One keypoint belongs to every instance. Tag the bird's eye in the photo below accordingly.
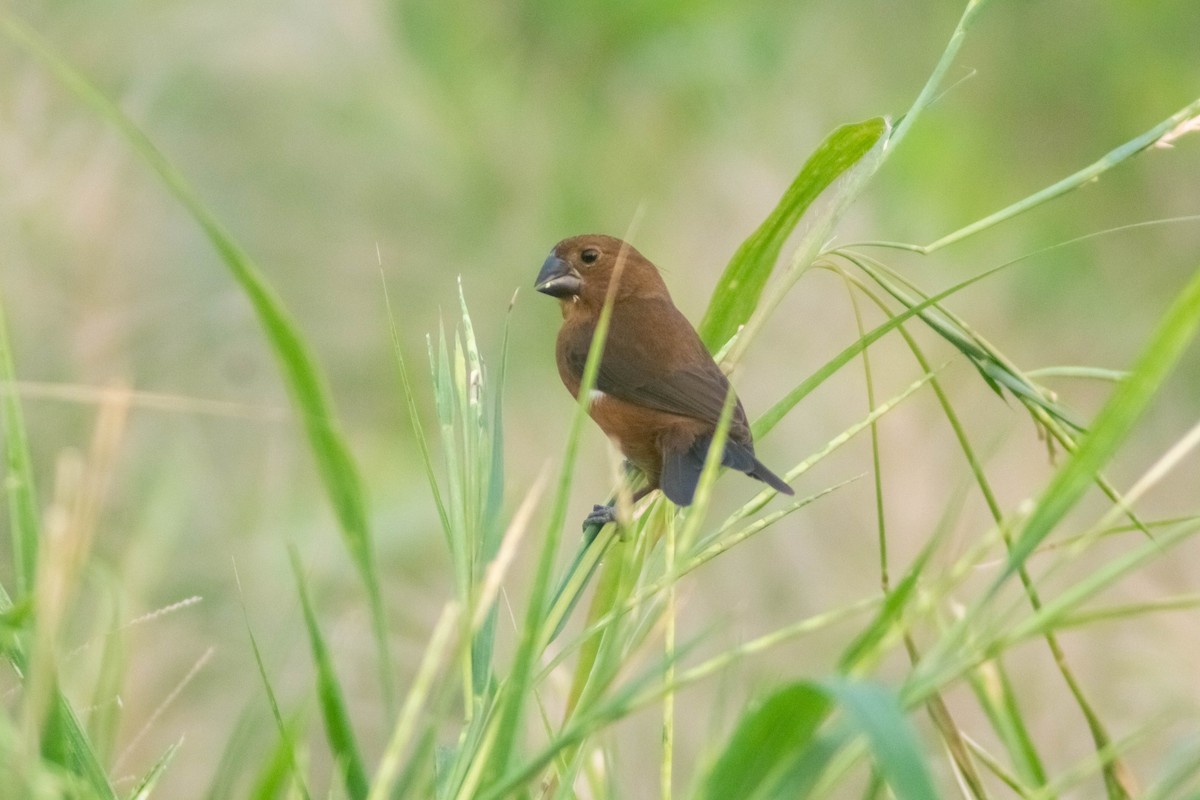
(590, 256)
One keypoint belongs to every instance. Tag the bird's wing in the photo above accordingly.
(645, 372)
(695, 391)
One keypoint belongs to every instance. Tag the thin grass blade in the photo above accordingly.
(277, 772)
(329, 695)
(65, 741)
(146, 786)
(287, 741)
(18, 482)
(414, 416)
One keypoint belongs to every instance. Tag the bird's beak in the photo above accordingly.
(558, 279)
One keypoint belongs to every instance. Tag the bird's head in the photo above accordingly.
(580, 270)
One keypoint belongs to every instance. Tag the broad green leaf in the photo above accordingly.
(767, 742)
(741, 285)
(778, 739)
(873, 710)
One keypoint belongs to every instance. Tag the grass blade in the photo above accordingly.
(767, 743)
(741, 285)
(329, 696)
(1074, 181)
(874, 711)
(146, 786)
(414, 416)
(64, 740)
(1112, 424)
(287, 742)
(336, 466)
(22, 501)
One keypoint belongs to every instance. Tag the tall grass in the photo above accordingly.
(484, 715)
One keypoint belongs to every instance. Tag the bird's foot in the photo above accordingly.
(600, 516)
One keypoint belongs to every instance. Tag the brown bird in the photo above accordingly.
(658, 394)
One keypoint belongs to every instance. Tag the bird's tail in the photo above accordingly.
(765, 475)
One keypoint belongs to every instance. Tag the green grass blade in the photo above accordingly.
(64, 741)
(18, 481)
(537, 630)
(1112, 424)
(874, 711)
(741, 285)
(437, 653)
(287, 741)
(146, 786)
(329, 695)
(337, 468)
(994, 371)
(864, 649)
(998, 700)
(767, 742)
(492, 528)
(278, 770)
(1074, 181)
(1049, 616)
(414, 416)
(764, 424)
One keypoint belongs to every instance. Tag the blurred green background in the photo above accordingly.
(429, 140)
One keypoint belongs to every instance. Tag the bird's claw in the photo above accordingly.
(600, 516)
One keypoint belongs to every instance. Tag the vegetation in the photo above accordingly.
(553, 651)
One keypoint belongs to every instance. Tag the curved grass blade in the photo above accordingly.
(741, 285)
(767, 743)
(777, 741)
(414, 416)
(304, 380)
(992, 369)
(874, 711)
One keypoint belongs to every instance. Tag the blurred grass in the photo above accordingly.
(321, 134)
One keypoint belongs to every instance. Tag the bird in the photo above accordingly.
(658, 393)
